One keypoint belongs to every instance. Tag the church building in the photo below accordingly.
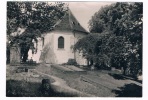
(55, 47)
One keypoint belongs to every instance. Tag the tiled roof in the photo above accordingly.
(69, 22)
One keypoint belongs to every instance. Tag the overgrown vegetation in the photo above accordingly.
(116, 38)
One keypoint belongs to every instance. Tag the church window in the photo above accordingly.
(73, 23)
(60, 42)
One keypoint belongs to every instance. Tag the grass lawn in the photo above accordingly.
(22, 88)
(107, 85)
(19, 84)
(97, 83)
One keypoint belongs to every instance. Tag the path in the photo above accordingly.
(67, 67)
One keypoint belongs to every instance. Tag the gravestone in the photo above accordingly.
(14, 54)
(46, 87)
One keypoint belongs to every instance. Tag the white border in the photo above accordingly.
(3, 55)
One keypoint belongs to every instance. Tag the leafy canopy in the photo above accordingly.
(35, 18)
(122, 46)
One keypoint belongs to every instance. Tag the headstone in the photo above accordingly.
(46, 86)
(122, 70)
(113, 68)
(15, 54)
(92, 68)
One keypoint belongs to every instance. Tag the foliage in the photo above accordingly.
(33, 15)
(99, 48)
(71, 62)
(123, 45)
(35, 18)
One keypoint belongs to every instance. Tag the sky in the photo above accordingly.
(83, 11)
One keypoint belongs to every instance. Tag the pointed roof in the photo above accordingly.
(69, 22)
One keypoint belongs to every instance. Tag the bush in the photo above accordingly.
(71, 62)
(102, 67)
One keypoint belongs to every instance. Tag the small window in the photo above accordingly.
(60, 42)
(73, 23)
(79, 24)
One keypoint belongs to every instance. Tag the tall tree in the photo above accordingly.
(35, 17)
(124, 23)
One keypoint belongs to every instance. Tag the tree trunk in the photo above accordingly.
(124, 70)
(24, 53)
(25, 56)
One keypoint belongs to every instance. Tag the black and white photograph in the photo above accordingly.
(74, 49)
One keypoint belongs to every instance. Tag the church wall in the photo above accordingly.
(52, 54)
(48, 54)
(39, 46)
(79, 57)
(48, 38)
(64, 54)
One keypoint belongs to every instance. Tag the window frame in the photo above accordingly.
(61, 42)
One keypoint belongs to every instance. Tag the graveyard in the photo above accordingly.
(49, 52)
(24, 81)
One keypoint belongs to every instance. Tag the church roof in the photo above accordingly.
(69, 22)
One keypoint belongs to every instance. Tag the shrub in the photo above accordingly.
(71, 62)
(102, 67)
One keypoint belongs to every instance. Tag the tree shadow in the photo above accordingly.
(129, 90)
(117, 76)
(15, 88)
(122, 77)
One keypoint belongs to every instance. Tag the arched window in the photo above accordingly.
(60, 42)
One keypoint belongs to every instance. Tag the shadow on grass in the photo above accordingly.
(16, 88)
(122, 77)
(117, 76)
(129, 90)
